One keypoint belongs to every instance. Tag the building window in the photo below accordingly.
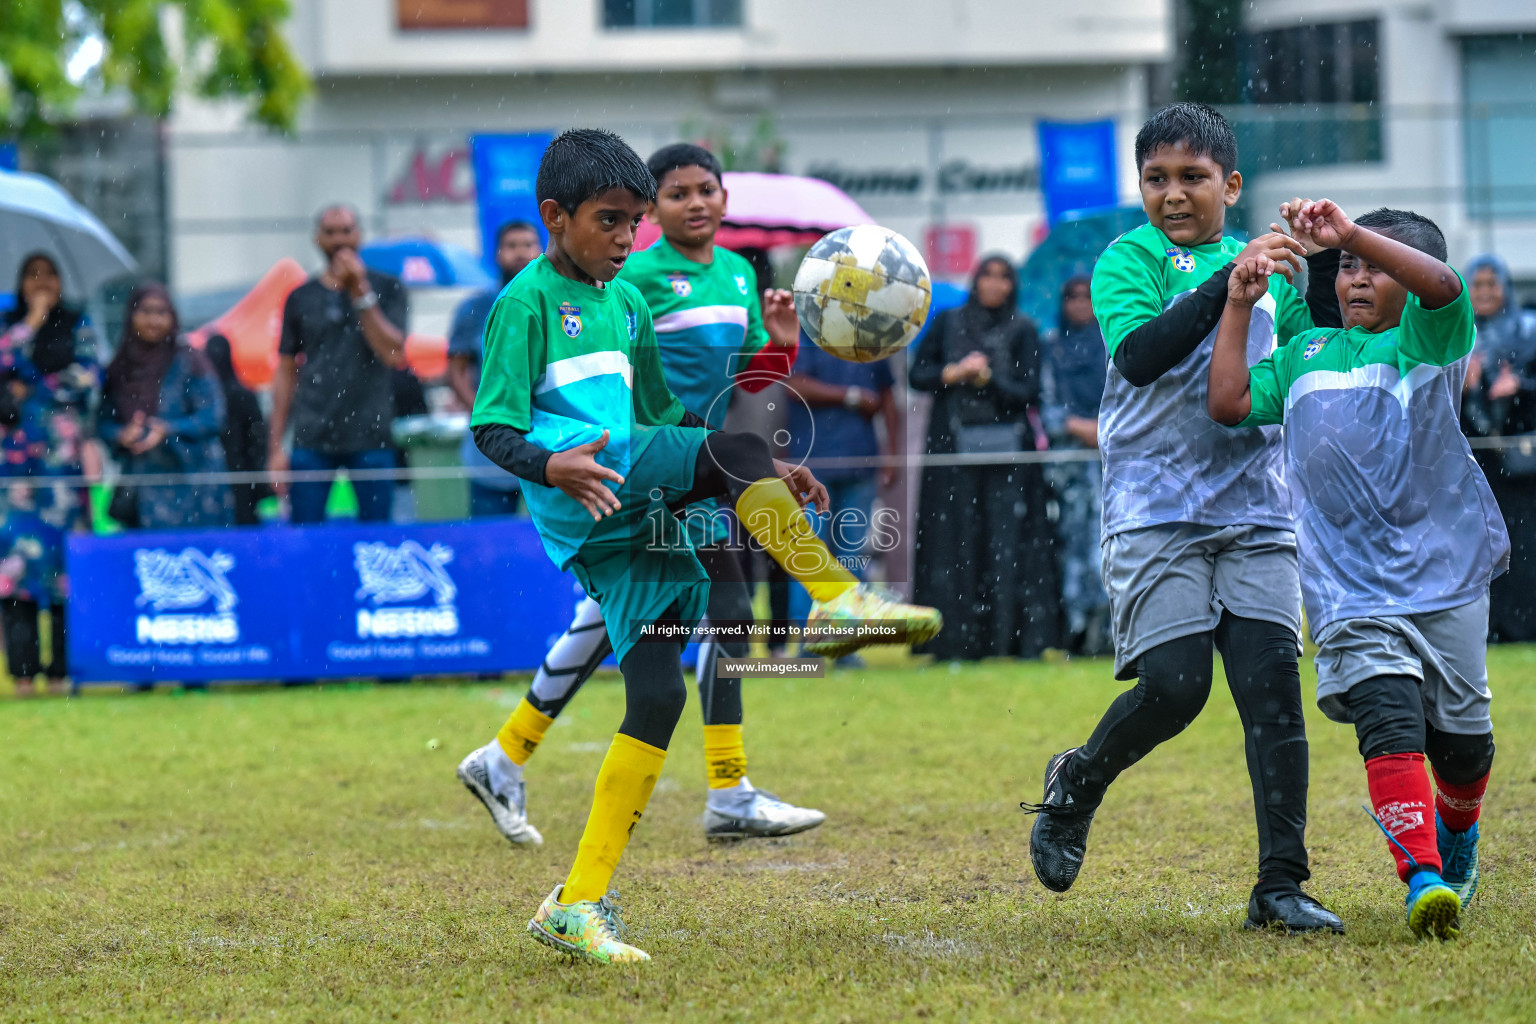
(671, 13)
(1499, 122)
(1312, 93)
(415, 15)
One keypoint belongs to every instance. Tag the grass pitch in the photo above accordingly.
(309, 856)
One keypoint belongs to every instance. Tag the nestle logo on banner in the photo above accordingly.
(388, 574)
(184, 581)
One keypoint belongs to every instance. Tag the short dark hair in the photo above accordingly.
(515, 225)
(1200, 127)
(682, 154)
(583, 163)
(1412, 229)
(347, 208)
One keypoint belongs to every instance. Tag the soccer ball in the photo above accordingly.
(862, 293)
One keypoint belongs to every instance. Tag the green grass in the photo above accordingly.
(308, 856)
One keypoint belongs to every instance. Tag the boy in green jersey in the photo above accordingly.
(1198, 544)
(714, 336)
(1398, 532)
(573, 400)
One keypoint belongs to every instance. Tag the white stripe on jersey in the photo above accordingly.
(577, 368)
(1375, 375)
(701, 316)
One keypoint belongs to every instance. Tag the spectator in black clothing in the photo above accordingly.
(347, 324)
(985, 545)
(245, 432)
(1500, 401)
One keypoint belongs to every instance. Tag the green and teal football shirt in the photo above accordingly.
(708, 321)
(1165, 459)
(565, 361)
(1394, 515)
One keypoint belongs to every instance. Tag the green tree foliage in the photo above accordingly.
(234, 48)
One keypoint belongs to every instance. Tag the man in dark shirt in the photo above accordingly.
(348, 325)
(492, 491)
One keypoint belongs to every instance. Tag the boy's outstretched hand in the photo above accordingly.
(577, 473)
(1326, 224)
(1281, 249)
(1249, 280)
(804, 486)
(1290, 212)
(779, 317)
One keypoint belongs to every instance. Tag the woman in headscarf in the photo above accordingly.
(1500, 401)
(985, 553)
(48, 375)
(1071, 387)
(245, 432)
(162, 412)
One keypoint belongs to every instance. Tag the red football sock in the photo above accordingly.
(1460, 805)
(1401, 798)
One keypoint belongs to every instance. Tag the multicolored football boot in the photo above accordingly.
(833, 626)
(590, 930)
(1433, 907)
(1458, 857)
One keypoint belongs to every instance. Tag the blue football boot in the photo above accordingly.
(1458, 857)
(1433, 907)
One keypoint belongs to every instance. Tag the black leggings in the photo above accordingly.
(1388, 712)
(1174, 680)
(654, 692)
(727, 465)
(729, 601)
(23, 649)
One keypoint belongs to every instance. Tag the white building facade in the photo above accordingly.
(925, 112)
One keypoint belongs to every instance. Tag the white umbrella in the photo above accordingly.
(37, 215)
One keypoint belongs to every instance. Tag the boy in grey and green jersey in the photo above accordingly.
(1399, 534)
(1198, 545)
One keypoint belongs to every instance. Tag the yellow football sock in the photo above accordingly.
(524, 730)
(624, 785)
(775, 520)
(725, 756)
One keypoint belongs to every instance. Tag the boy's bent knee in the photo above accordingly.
(1388, 712)
(1459, 759)
(1175, 677)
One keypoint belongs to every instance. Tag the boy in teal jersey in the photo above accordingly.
(713, 337)
(1399, 534)
(573, 401)
(1198, 542)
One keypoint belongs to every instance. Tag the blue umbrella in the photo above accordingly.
(36, 215)
(424, 263)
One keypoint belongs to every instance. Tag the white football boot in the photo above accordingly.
(745, 812)
(498, 784)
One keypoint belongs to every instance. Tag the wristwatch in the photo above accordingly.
(853, 397)
(367, 301)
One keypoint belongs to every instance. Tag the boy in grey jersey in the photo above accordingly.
(1198, 549)
(1399, 532)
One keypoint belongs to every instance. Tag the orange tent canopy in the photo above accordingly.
(254, 326)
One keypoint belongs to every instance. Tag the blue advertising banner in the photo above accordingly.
(10, 157)
(506, 168)
(1077, 166)
(314, 602)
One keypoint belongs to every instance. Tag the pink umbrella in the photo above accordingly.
(769, 210)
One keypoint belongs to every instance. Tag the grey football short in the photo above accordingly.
(1176, 579)
(1446, 650)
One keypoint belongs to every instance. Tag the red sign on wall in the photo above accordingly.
(462, 14)
(951, 249)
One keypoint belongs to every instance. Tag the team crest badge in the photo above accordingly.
(681, 286)
(570, 319)
(1313, 348)
(1182, 261)
(741, 283)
